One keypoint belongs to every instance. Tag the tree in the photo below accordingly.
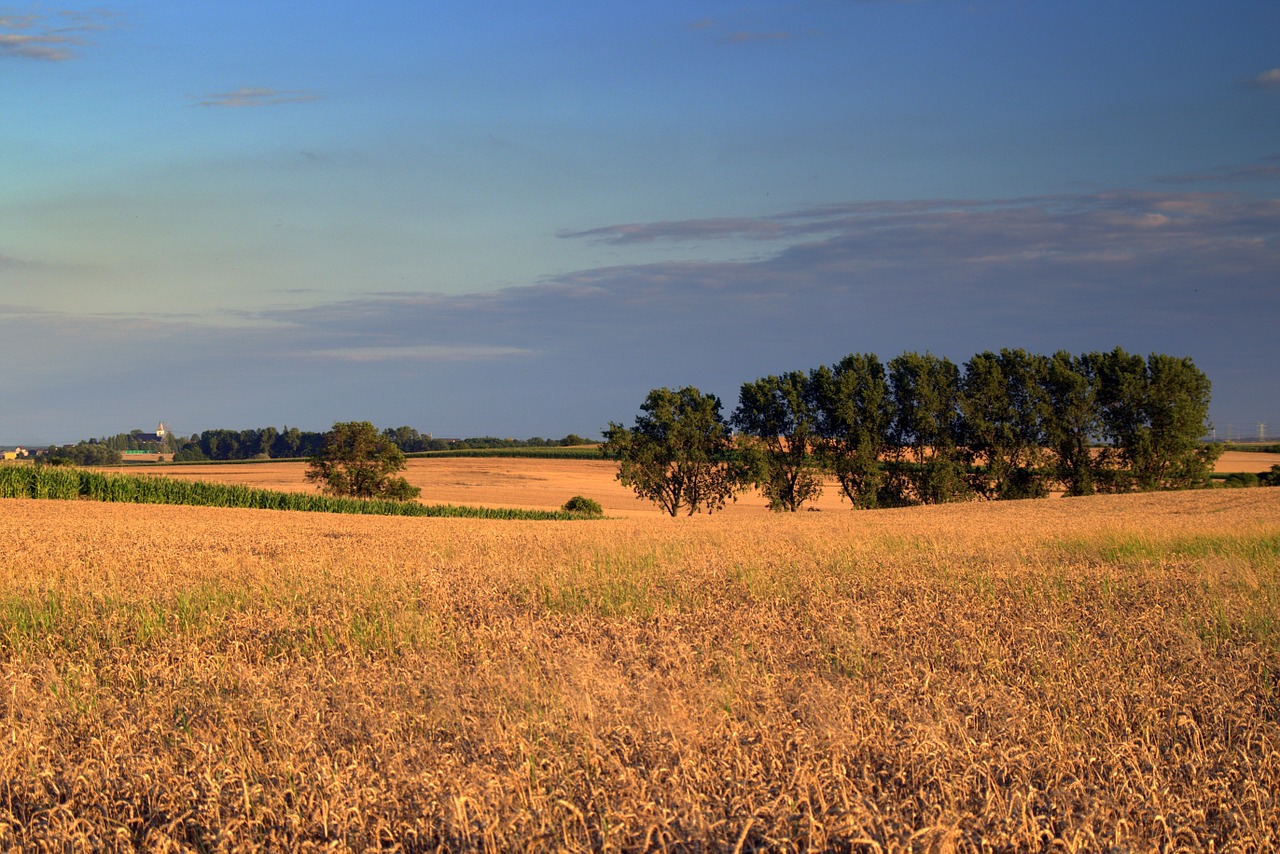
(1071, 421)
(356, 460)
(1002, 402)
(855, 414)
(1154, 414)
(926, 401)
(778, 414)
(407, 439)
(679, 454)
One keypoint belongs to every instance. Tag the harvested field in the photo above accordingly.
(1049, 675)
(542, 484)
(1246, 461)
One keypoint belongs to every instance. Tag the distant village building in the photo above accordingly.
(16, 454)
(160, 437)
(160, 454)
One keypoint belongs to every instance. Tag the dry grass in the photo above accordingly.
(1049, 675)
(543, 484)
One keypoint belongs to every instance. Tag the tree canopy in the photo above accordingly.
(680, 452)
(778, 415)
(924, 430)
(358, 461)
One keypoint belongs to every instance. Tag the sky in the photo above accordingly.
(515, 219)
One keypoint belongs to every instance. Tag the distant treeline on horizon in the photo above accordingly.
(270, 443)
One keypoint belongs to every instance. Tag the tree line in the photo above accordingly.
(922, 429)
(270, 443)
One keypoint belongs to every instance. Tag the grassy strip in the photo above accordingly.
(70, 484)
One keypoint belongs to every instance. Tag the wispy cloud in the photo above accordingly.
(418, 352)
(1176, 272)
(254, 97)
(52, 38)
(1267, 79)
(1269, 169)
(747, 36)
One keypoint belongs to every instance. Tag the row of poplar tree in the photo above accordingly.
(922, 429)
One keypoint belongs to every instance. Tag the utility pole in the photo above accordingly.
(1262, 432)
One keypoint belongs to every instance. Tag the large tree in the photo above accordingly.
(777, 414)
(680, 453)
(932, 464)
(1002, 402)
(1071, 422)
(356, 460)
(1153, 415)
(855, 413)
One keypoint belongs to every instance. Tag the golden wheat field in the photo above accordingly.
(1058, 675)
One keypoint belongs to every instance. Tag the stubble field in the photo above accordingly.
(1075, 674)
(542, 484)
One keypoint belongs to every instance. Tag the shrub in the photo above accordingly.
(584, 506)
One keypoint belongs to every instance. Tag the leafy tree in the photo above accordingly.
(358, 461)
(927, 429)
(1177, 415)
(679, 454)
(1002, 403)
(265, 440)
(408, 439)
(1071, 422)
(189, 453)
(1154, 414)
(84, 454)
(855, 414)
(778, 414)
(288, 443)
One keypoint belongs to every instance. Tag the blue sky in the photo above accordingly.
(516, 219)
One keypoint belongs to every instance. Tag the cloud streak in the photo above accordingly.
(1267, 170)
(49, 38)
(1266, 80)
(747, 37)
(254, 97)
(1178, 272)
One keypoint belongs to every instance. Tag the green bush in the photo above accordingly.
(583, 506)
(1241, 479)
